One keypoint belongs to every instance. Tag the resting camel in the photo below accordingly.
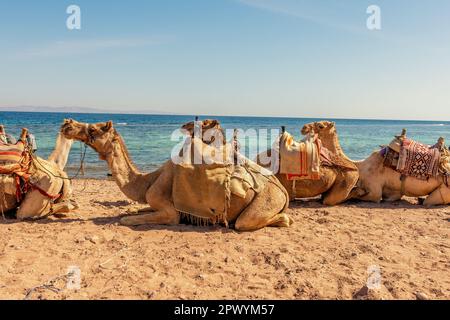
(336, 182)
(378, 182)
(51, 190)
(255, 211)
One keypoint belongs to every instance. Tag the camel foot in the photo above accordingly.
(284, 221)
(64, 207)
(74, 204)
(280, 220)
(357, 193)
(156, 217)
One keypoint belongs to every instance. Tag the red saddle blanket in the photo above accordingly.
(418, 160)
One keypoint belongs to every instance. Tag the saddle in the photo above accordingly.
(11, 153)
(302, 160)
(16, 161)
(203, 191)
(414, 159)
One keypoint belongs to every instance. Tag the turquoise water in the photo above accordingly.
(148, 137)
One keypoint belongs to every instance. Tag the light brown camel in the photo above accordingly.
(255, 211)
(335, 182)
(50, 181)
(378, 182)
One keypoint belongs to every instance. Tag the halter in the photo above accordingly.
(91, 137)
(91, 140)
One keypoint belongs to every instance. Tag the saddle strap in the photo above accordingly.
(44, 193)
(402, 184)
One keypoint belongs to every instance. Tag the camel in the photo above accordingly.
(255, 211)
(51, 190)
(336, 182)
(378, 182)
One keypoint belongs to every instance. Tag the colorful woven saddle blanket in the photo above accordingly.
(414, 159)
(11, 153)
(300, 160)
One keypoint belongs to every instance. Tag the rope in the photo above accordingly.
(80, 169)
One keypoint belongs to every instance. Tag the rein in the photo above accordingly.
(80, 169)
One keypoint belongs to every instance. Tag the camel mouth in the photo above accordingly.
(70, 132)
(305, 130)
(67, 131)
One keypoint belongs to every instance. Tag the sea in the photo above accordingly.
(151, 138)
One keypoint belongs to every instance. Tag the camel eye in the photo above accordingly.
(321, 126)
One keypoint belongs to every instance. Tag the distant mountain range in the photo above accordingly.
(77, 110)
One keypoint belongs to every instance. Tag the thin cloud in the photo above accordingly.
(84, 47)
(282, 8)
(330, 20)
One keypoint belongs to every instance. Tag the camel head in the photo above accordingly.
(98, 136)
(320, 127)
(210, 129)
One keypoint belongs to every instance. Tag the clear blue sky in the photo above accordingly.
(230, 57)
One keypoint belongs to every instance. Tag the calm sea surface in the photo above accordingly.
(148, 137)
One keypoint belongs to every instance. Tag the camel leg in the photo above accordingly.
(158, 217)
(264, 211)
(373, 196)
(159, 198)
(63, 207)
(340, 191)
(373, 192)
(357, 193)
(391, 195)
(439, 196)
(35, 205)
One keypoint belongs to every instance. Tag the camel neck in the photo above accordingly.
(130, 180)
(331, 142)
(61, 153)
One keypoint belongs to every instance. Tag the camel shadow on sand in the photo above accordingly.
(185, 226)
(399, 204)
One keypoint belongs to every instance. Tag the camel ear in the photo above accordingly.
(108, 126)
(68, 120)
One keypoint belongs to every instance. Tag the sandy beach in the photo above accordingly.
(324, 255)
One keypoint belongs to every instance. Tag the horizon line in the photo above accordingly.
(156, 113)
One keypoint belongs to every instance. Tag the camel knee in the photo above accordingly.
(27, 212)
(432, 200)
(439, 196)
(241, 225)
(330, 202)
